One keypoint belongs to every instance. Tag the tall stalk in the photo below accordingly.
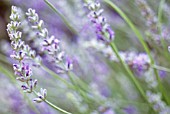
(62, 17)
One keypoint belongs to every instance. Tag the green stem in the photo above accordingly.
(132, 102)
(69, 85)
(7, 73)
(56, 76)
(53, 106)
(132, 77)
(141, 39)
(160, 13)
(80, 83)
(62, 17)
(3, 58)
(77, 87)
(57, 108)
(114, 48)
(161, 68)
(84, 90)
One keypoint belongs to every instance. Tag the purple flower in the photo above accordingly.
(103, 30)
(162, 73)
(22, 53)
(109, 111)
(140, 63)
(130, 110)
(50, 44)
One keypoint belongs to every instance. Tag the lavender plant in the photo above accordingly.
(124, 70)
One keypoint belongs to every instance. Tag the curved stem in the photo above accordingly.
(62, 17)
(52, 105)
(57, 108)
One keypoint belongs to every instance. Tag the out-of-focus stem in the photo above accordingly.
(62, 17)
(160, 13)
(84, 95)
(7, 73)
(161, 68)
(3, 58)
(57, 76)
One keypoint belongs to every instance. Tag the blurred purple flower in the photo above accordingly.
(109, 111)
(130, 110)
(162, 73)
(103, 30)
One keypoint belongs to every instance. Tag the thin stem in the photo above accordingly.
(57, 108)
(132, 102)
(7, 73)
(30, 103)
(78, 80)
(3, 58)
(161, 68)
(83, 89)
(69, 85)
(77, 87)
(53, 106)
(62, 17)
(84, 86)
(160, 12)
(141, 39)
(56, 76)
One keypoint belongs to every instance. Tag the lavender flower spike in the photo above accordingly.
(50, 44)
(103, 29)
(21, 53)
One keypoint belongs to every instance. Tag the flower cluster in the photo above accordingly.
(149, 15)
(151, 20)
(140, 63)
(22, 53)
(158, 104)
(103, 30)
(50, 44)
